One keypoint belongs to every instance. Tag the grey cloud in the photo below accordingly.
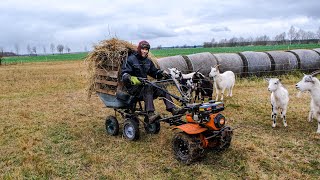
(220, 29)
(144, 32)
(172, 24)
(258, 10)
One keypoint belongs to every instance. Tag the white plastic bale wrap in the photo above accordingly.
(230, 62)
(317, 50)
(173, 61)
(309, 59)
(202, 61)
(283, 61)
(258, 63)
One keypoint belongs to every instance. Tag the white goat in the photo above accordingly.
(185, 80)
(222, 81)
(312, 84)
(279, 100)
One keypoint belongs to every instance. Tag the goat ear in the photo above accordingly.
(309, 79)
(267, 79)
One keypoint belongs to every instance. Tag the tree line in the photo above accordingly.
(293, 36)
(53, 49)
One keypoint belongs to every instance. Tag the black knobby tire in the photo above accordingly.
(186, 148)
(151, 128)
(131, 129)
(112, 126)
(225, 141)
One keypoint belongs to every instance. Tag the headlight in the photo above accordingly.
(219, 121)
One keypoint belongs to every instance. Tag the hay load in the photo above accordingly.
(256, 63)
(309, 60)
(202, 61)
(104, 65)
(283, 62)
(230, 62)
(174, 61)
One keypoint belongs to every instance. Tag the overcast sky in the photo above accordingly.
(82, 23)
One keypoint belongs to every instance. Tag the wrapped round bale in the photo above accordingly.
(230, 62)
(308, 60)
(282, 62)
(255, 63)
(202, 62)
(317, 50)
(174, 61)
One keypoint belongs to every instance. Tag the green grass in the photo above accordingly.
(44, 58)
(159, 53)
(50, 130)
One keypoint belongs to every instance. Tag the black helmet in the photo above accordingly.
(143, 44)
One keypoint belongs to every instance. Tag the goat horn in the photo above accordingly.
(198, 70)
(217, 65)
(315, 73)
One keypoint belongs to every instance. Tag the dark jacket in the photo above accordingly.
(136, 65)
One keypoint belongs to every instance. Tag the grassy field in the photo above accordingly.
(50, 130)
(44, 58)
(162, 52)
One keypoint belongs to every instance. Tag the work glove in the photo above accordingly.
(135, 81)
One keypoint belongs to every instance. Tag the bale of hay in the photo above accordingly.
(308, 60)
(202, 62)
(104, 65)
(173, 61)
(283, 61)
(229, 62)
(256, 63)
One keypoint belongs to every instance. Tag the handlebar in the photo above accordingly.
(146, 81)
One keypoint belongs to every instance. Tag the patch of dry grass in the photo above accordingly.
(48, 129)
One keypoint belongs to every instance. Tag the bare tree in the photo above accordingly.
(311, 35)
(292, 34)
(223, 42)
(241, 41)
(17, 48)
(233, 41)
(34, 50)
(159, 47)
(249, 40)
(1, 55)
(262, 40)
(67, 48)
(60, 48)
(318, 34)
(280, 37)
(44, 49)
(29, 49)
(52, 47)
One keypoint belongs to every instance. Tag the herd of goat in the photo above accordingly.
(202, 87)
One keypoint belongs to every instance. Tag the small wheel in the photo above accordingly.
(152, 128)
(131, 129)
(112, 126)
(185, 148)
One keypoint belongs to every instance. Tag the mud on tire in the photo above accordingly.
(225, 139)
(186, 148)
